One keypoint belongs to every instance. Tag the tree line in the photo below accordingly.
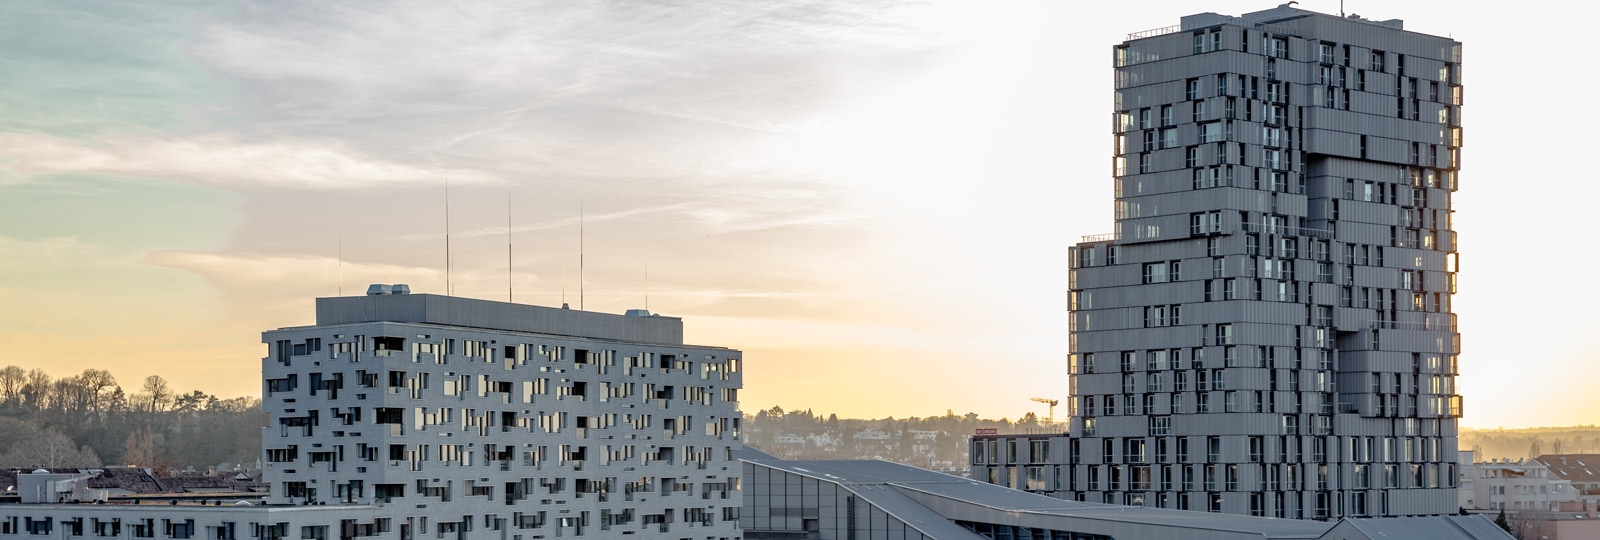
(1530, 442)
(936, 442)
(89, 420)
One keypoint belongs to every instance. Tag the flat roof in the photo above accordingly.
(495, 316)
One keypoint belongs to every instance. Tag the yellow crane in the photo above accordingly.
(1052, 403)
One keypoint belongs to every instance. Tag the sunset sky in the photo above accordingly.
(872, 199)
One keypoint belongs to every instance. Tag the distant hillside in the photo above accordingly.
(89, 420)
(1530, 442)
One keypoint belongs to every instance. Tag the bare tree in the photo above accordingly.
(12, 379)
(51, 449)
(157, 392)
(36, 392)
(99, 384)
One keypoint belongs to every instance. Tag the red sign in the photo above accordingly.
(986, 431)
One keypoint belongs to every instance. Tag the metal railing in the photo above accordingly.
(1287, 230)
(1155, 32)
(1107, 237)
(1426, 326)
(1269, 28)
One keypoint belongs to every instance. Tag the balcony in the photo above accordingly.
(1322, 234)
(1427, 326)
(1107, 237)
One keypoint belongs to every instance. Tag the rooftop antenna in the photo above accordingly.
(647, 287)
(449, 283)
(1341, 8)
(580, 256)
(341, 265)
(563, 288)
(508, 246)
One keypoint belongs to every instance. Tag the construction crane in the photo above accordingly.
(1052, 403)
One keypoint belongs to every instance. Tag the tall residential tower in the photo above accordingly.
(1268, 330)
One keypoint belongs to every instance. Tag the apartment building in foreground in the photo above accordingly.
(416, 416)
(1268, 331)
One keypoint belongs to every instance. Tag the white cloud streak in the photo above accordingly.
(221, 160)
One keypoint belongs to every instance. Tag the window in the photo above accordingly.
(1155, 316)
(1192, 89)
(1169, 138)
(1278, 47)
(1325, 53)
(1225, 331)
(1191, 156)
(1144, 163)
(1213, 449)
(1377, 60)
(1156, 361)
(1155, 273)
(1271, 136)
(1133, 450)
(1166, 115)
(1144, 119)
(1272, 159)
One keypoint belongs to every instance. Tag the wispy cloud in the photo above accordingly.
(221, 160)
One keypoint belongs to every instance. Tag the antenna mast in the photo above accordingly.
(647, 287)
(341, 265)
(580, 256)
(449, 284)
(508, 246)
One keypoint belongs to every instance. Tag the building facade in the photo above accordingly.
(1503, 484)
(417, 416)
(1582, 471)
(1268, 331)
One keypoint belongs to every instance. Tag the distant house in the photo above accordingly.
(1581, 470)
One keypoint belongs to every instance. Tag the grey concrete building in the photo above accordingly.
(1268, 330)
(411, 416)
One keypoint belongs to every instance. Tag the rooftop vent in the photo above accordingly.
(401, 288)
(639, 313)
(377, 289)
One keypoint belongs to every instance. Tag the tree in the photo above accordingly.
(1028, 421)
(36, 391)
(51, 449)
(140, 451)
(98, 383)
(158, 394)
(1501, 521)
(12, 379)
(192, 402)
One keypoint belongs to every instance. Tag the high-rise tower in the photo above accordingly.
(1268, 330)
